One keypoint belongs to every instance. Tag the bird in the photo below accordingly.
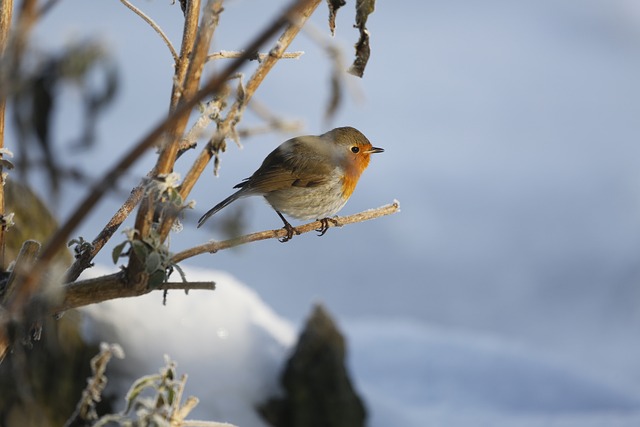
(307, 177)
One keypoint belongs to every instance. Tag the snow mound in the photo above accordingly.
(228, 341)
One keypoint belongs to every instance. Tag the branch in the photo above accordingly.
(6, 10)
(214, 246)
(83, 261)
(189, 33)
(301, 14)
(153, 25)
(225, 54)
(211, 86)
(113, 286)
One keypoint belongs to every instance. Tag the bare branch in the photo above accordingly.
(195, 64)
(153, 25)
(213, 246)
(189, 32)
(211, 86)
(92, 291)
(83, 261)
(300, 14)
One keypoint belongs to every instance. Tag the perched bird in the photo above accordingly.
(308, 177)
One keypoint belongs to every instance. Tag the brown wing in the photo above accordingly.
(299, 162)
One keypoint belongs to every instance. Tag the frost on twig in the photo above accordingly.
(154, 399)
(86, 409)
(226, 54)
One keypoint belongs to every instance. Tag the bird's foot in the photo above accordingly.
(325, 225)
(291, 230)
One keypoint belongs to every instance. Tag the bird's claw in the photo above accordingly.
(325, 225)
(291, 230)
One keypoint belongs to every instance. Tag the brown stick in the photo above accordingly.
(6, 11)
(113, 286)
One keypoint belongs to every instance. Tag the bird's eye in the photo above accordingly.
(355, 150)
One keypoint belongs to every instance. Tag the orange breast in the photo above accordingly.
(354, 169)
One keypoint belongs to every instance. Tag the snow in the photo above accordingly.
(228, 341)
(233, 347)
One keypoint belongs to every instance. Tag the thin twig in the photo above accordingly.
(225, 54)
(153, 25)
(213, 246)
(83, 261)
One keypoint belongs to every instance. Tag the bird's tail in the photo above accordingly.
(222, 204)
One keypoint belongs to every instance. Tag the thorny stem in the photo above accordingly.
(214, 246)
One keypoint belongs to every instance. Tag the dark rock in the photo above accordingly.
(318, 391)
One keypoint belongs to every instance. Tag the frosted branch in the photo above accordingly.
(225, 54)
(214, 246)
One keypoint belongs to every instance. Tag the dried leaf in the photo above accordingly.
(334, 5)
(364, 8)
(362, 55)
(183, 6)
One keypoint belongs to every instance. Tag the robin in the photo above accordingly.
(308, 177)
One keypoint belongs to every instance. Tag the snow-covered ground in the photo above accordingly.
(233, 347)
(506, 292)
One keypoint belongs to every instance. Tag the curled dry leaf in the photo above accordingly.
(334, 5)
(364, 8)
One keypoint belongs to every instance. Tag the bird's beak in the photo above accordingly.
(373, 150)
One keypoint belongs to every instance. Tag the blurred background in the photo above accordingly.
(510, 132)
